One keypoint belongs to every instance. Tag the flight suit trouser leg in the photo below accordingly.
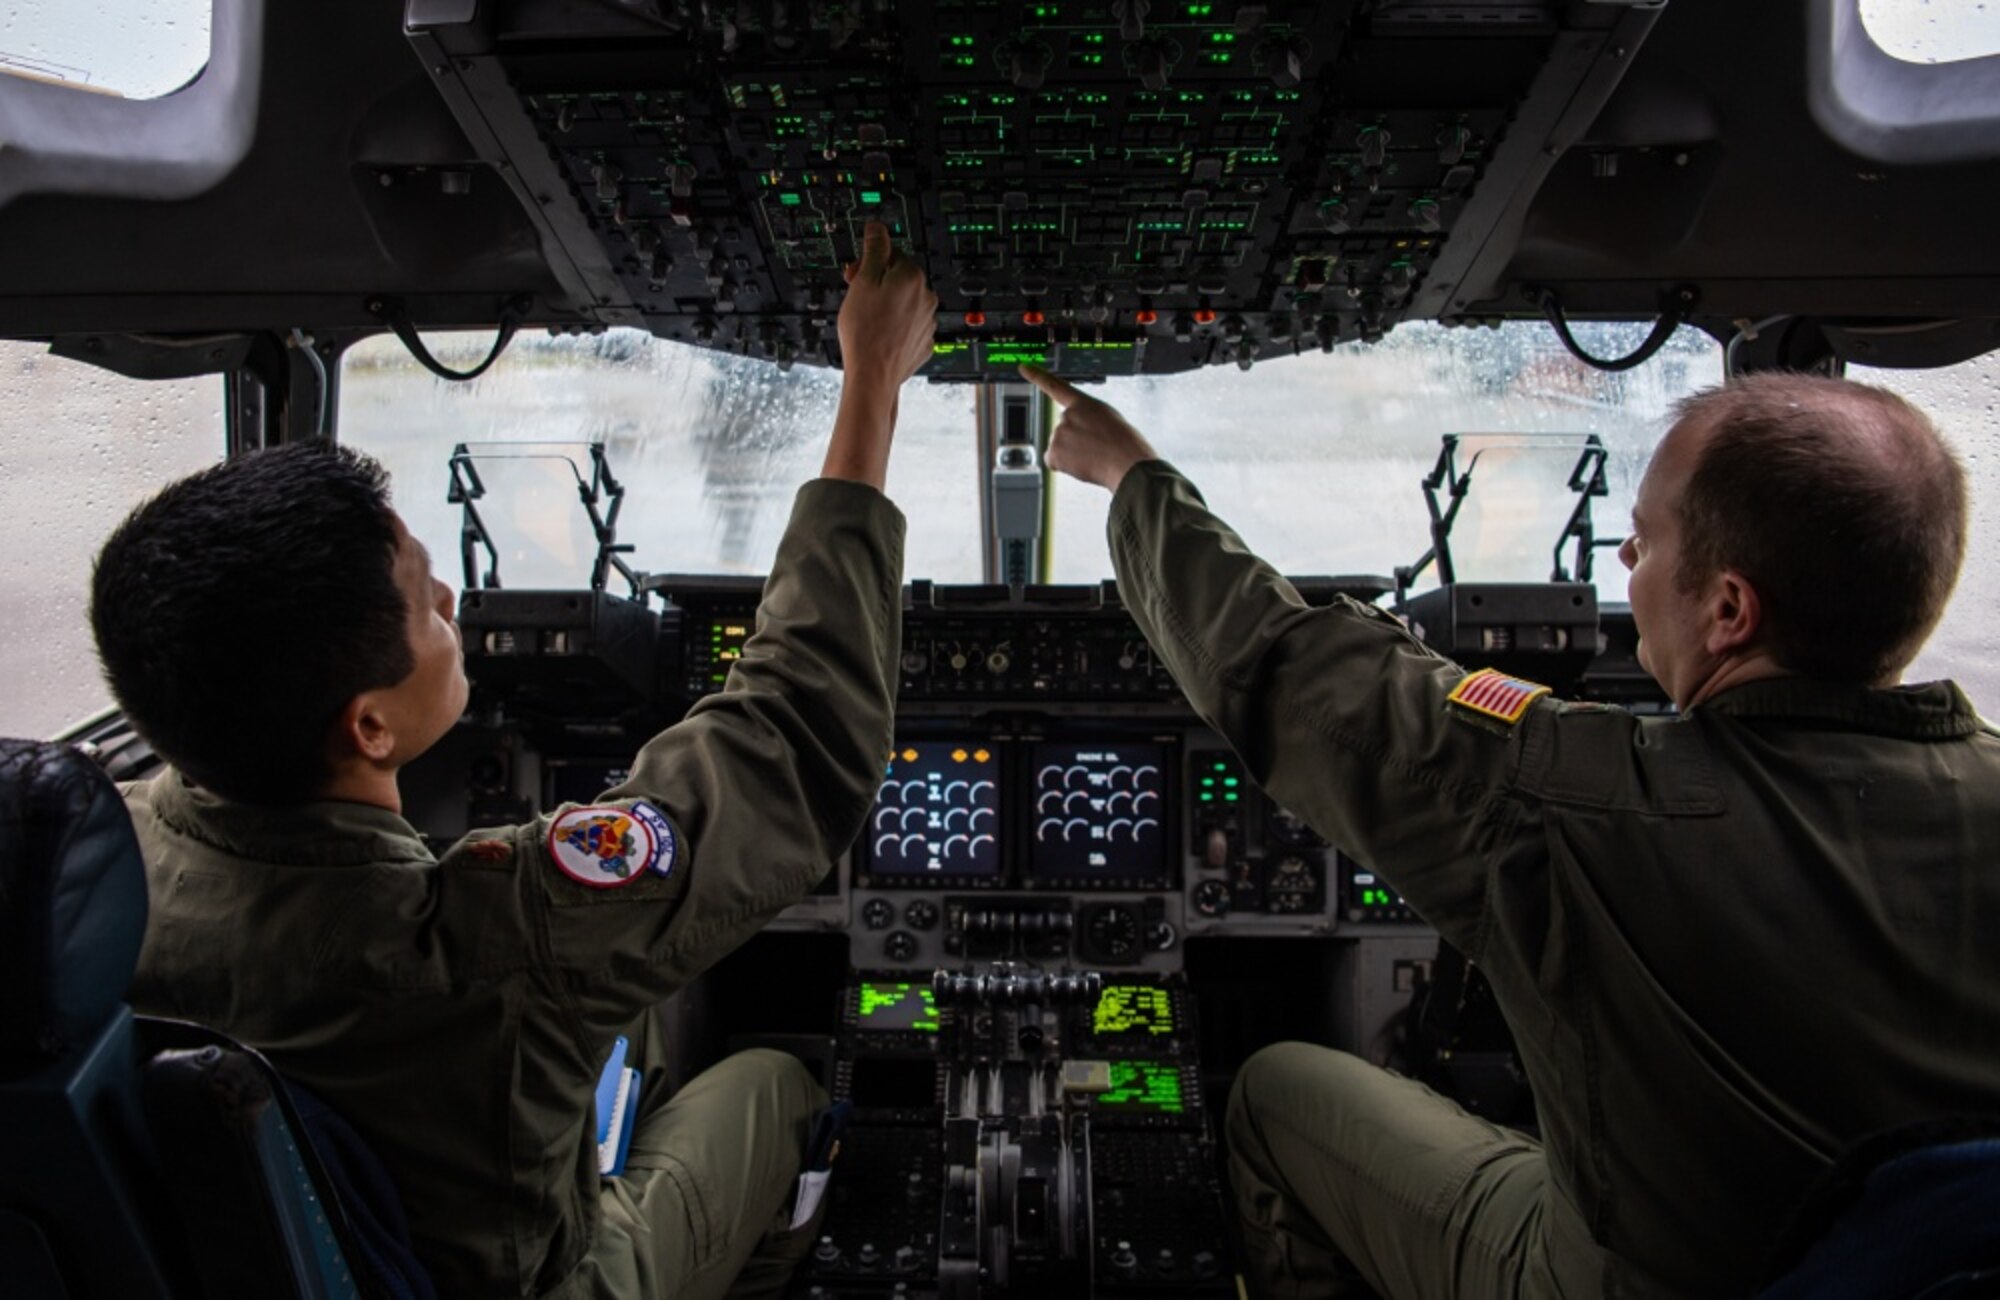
(703, 1207)
(1353, 1181)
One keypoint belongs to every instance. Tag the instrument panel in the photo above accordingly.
(1050, 797)
(1032, 843)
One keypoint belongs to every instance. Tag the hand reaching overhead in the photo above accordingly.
(1091, 441)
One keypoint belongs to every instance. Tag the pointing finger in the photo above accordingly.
(875, 250)
(1060, 391)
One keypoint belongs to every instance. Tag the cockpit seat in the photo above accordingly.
(142, 1157)
(1911, 1213)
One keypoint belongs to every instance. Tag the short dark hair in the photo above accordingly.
(239, 611)
(1841, 504)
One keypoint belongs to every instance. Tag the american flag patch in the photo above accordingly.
(1496, 695)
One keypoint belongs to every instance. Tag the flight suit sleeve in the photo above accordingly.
(737, 810)
(1338, 713)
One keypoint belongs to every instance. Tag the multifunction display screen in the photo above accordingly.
(1144, 1088)
(1098, 812)
(896, 1008)
(1133, 1011)
(938, 812)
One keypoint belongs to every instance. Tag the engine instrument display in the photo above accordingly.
(938, 812)
(1098, 812)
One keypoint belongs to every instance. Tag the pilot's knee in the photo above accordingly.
(1286, 1074)
(1284, 1079)
(786, 1093)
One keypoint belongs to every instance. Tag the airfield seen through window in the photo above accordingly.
(1316, 460)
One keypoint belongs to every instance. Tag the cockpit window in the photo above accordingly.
(1926, 31)
(1318, 459)
(709, 447)
(79, 447)
(137, 49)
(1965, 401)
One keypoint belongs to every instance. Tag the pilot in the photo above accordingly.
(1729, 943)
(272, 628)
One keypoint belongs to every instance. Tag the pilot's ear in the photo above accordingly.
(362, 730)
(1736, 613)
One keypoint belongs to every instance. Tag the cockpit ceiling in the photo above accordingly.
(1117, 186)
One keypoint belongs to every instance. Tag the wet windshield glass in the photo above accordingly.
(79, 447)
(1318, 459)
(710, 448)
(113, 47)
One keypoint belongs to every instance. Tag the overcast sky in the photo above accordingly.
(144, 48)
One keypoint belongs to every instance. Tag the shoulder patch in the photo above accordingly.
(1493, 694)
(603, 848)
(665, 845)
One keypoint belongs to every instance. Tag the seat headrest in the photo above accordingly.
(72, 902)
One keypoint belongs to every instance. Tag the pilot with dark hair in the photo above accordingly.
(272, 628)
(1730, 943)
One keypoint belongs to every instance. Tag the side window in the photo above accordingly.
(1923, 32)
(80, 447)
(1965, 401)
(132, 51)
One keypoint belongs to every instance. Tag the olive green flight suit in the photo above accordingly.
(458, 1011)
(1729, 943)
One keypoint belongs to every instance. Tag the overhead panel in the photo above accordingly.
(1105, 188)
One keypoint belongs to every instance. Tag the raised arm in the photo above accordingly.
(1092, 441)
(1338, 713)
(737, 810)
(885, 327)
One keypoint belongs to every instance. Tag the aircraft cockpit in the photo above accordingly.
(1409, 287)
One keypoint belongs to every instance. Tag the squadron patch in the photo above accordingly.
(605, 847)
(1493, 694)
(666, 847)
